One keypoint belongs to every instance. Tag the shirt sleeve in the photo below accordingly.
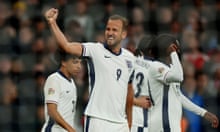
(89, 49)
(158, 71)
(166, 74)
(175, 73)
(189, 105)
(51, 90)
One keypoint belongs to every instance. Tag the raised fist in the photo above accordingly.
(51, 15)
(173, 47)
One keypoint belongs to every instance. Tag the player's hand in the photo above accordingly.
(51, 15)
(212, 119)
(143, 102)
(173, 48)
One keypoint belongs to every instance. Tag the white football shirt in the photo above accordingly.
(109, 77)
(166, 114)
(165, 80)
(61, 91)
(140, 85)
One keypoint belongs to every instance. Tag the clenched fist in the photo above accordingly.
(51, 15)
(173, 47)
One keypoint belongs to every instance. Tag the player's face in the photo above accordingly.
(73, 67)
(114, 32)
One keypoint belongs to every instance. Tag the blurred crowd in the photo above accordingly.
(28, 50)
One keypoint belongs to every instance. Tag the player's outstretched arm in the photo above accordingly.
(74, 48)
(189, 105)
(213, 119)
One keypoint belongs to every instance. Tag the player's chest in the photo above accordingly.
(112, 62)
(68, 91)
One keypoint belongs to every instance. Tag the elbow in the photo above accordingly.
(175, 78)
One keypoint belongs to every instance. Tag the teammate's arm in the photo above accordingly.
(54, 114)
(175, 74)
(129, 103)
(74, 48)
(212, 119)
(142, 101)
(189, 105)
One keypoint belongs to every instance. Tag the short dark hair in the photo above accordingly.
(145, 45)
(162, 42)
(124, 20)
(64, 56)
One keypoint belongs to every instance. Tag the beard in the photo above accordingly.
(112, 42)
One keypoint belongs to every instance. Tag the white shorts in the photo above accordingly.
(138, 129)
(99, 125)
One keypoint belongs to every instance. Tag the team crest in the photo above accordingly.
(51, 91)
(129, 64)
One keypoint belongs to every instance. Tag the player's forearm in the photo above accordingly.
(60, 121)
(54, 114)
(176, 72)
(189, 105)
(129, 104)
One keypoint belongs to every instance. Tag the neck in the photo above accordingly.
(116, 49)
(65, 73)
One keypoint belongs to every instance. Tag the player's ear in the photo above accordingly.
(124, 34)
(63, 63)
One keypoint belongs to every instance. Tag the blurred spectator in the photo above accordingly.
(206, 91)
(165, 17)
(5, 65)
(8, 105)
(189, 89)
(152, 25)
(25, 37)
(74, 31)
(7, 32)
(176, 28)
(40, 78)
(17, 69)
(84, 19)
(99, 37)
(193, 52)
(109, 8)
(9, 91)
(61, 5)
(39, 26)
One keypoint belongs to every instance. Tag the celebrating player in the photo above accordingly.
(109, 107)
(165, 76)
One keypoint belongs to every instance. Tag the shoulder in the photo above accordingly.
(127, 52)
(128, 55)
(157, 64)
(94, 44)
(141, 62)
(52, 77)
(157, 67)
